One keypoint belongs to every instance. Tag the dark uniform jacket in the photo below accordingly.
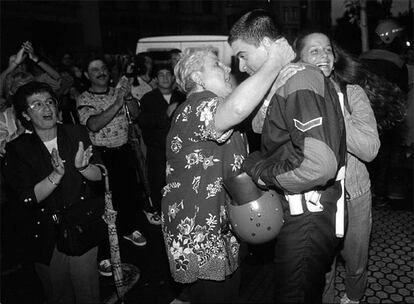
(303, 137)
(28, 162)
(153, 118)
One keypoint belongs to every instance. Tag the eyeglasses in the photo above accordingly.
(40, 104)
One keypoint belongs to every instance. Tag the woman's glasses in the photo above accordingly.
(38, 105)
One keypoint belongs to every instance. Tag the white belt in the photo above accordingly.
(312, 199)
(340, 205)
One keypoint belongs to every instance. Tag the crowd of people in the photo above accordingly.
(323, 116)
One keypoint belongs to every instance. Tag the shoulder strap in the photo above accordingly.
(346, 102)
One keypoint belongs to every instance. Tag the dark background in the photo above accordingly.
(79, 27)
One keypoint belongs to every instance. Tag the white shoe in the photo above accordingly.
(105, 268)
(136, 238)
(153, 217)
(178, 301)
(346, 300)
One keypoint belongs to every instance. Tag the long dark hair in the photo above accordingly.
(387, 100)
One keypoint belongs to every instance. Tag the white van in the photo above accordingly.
(163, 44)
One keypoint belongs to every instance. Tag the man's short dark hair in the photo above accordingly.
(163, 66)
(253, 26)
(91, 59)
(25, 91)
(175, 51)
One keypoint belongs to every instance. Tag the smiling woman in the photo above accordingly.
(362, 144)
(50, 171)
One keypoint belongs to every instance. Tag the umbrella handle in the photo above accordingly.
(105, 175)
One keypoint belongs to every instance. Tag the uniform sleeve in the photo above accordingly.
(314, 126)
(361, 127)
(85, 109)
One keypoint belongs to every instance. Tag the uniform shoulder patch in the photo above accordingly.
(306, 126)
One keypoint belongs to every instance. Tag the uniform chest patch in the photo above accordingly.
(306, 126)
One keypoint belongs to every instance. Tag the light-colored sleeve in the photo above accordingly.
(85, 108)
(361, 127)
(258, 119)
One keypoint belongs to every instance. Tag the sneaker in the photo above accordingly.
(153, 217)
(105, 268)
(136, 238)
(380, 202)
(178, 301)
(346, 300)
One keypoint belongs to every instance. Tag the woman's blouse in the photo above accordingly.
(198, 240)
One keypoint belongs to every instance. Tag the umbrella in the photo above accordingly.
(125, 275)
(134, 138)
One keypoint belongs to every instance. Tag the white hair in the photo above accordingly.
(191, 61)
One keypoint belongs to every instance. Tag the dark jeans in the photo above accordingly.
(206, 291)
(304, 251)
(70, 279)
(156, 161)
(355, 250)
(123, 182)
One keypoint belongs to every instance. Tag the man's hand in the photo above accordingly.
(20, 56)
(281, 51)
(285, 73)
(28, 47)
(122, 88)
(251, 161)
(249, 166)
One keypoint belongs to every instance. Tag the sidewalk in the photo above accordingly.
(390, 276)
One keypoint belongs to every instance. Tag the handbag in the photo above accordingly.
(80, 227)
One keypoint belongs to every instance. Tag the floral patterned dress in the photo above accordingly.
(194, 222)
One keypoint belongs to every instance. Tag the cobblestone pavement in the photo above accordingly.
(390, 265)
(390, 275)
(391, 259)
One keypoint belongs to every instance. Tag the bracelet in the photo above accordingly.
(51, 181)
(37, 61)
(82, 169)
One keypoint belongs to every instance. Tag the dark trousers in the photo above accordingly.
(304, 252)
(123, 182)
(70, 279)
(207, 291)
(156, 161)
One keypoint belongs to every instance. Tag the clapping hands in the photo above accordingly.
(28, 48)
(58, 164)
(123, 87)
(83, 156)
